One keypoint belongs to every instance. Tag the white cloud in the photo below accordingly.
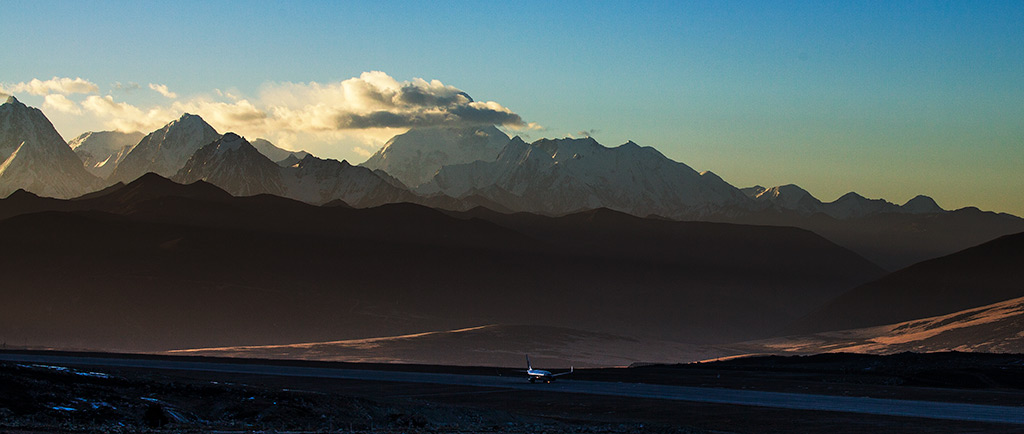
(126, 117)
(376, 100)
(162, 89)
(352, 117)
(61, 85)
(362, 151)
(61, 103)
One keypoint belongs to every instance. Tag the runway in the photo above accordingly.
(794, 401)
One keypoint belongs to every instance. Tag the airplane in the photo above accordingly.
(542, 375)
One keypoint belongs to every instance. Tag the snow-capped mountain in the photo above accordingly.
(166, 150)
(36, 158)
(414, 157)
(275, 153)
(102, 151)
(235, 165)
(853, 205)
(565, 175)
(791, 197)
(319, 181)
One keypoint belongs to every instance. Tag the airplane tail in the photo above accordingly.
(528, 365)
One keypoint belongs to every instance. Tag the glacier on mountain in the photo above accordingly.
(565, 175)
(415, 156)
(102, 151)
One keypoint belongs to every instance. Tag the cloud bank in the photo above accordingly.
(376, 100)
(367, 109)
(55, 85)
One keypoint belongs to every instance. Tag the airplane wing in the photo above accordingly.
(563, 373)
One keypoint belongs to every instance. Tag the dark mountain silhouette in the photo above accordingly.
(156, 265)
(895, 240)
(974, 277)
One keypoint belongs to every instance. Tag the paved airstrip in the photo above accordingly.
(794, 401)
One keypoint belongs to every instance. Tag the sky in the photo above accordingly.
(888, 99)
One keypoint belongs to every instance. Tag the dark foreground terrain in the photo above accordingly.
(48, 398)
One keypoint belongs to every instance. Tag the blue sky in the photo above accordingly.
(889, 99)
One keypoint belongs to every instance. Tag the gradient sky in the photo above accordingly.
(889, 99)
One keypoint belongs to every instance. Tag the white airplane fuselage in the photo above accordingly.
(540, 374)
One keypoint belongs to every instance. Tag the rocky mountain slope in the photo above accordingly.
(166, 150)
(275, 153)
(36, 158)
(102, 151)
(233, 164)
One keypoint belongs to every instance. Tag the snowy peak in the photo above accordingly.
(415, 156)
(20, 123)
(850, 206)
(789, 197)
(921, 204)
(560, 176)
(102, 151)
(234, 165)
(166, 150)
(752, 192)
(229, 142)
(36, 158)
(318, 181)
(853, 205)
(275, 153)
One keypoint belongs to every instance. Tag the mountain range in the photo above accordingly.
(155, 265)
(232, 163)
(102, 151)
(147, 246)
(462, 168)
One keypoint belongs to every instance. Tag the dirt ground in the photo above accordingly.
(37, 398)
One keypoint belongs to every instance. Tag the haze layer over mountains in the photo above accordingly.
(188, 238)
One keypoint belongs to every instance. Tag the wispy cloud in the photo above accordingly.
(359, 150)
(162, 89)
(59, 85)
(125, 87)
